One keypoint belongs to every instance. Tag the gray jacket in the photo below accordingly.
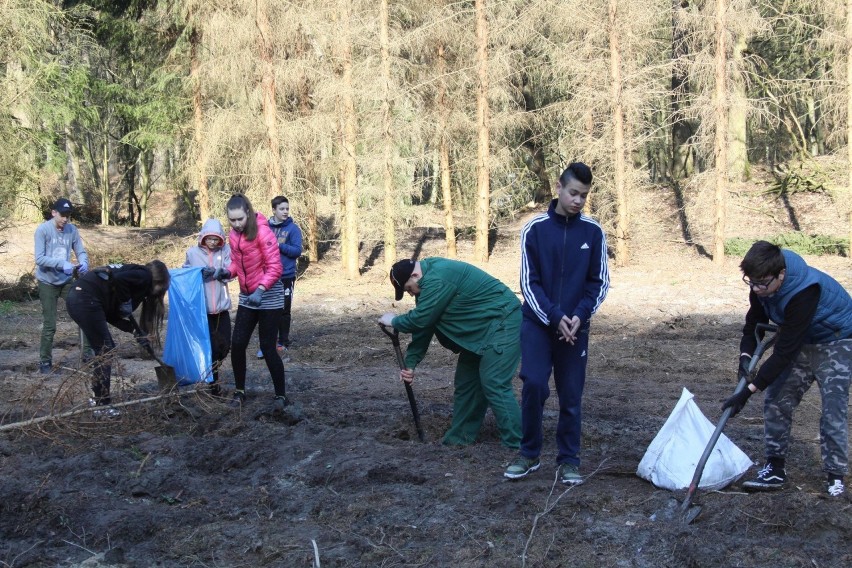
(53, 249)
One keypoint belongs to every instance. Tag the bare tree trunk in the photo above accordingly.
(75, 175)
(681, 158)
(720, 149)
(738, 166)
(483, 149)
(198, 123)
(387, 173)
(849, 115)
(349, 233)
(105, 198)
(268, 108)
(813, 143)
(535, 160)
(621, 225)
(145, 165)
(444, 153)
(309, 169)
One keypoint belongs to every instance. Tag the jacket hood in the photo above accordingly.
(211, 228)
(273, 222)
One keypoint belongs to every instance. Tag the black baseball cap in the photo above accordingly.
(63, 206)
(399, 275)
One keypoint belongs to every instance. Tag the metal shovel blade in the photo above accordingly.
(166, 378)
(764, 341)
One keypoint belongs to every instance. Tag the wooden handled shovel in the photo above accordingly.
(394, 337)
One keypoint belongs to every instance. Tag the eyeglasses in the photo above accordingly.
(759, 285)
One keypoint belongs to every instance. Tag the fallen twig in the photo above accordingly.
(316, 554)
(549, 506)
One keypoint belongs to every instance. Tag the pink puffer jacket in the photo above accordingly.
(255, 262)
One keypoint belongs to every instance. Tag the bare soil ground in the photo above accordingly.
(188, 482)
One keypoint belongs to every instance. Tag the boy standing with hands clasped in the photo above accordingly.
(564, 280)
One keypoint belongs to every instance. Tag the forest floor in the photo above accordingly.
(188, 482)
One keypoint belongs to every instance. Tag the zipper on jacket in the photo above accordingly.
(562, 267)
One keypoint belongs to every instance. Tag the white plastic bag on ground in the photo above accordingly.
(671, 459)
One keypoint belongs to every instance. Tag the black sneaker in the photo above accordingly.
(279, 404)
(238, 400)
(834, 485)
(770, 478)
(45, 368)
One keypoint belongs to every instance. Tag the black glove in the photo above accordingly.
(737, 401)
(222, 274)
(255, 298)
(742, 370)
(207, 273)
(125, 309)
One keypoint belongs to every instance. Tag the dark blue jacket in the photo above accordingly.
(289, 244)
(563, 267)
(833, 318)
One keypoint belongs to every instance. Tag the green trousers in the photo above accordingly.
(49, 295)
(486, 380)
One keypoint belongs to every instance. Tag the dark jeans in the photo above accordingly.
(89, 314)
(220, 339)
(284, 326)
(267, 322)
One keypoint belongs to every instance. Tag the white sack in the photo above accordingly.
(671, 459)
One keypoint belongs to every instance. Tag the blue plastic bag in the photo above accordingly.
(187, 335)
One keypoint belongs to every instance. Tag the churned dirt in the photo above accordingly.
(342, 479)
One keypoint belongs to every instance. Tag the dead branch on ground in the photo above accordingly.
(549, 506)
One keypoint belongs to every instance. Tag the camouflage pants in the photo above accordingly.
(830, 364)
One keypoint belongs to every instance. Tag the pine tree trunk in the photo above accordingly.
(738, 166)
(105, 182)
(849, 116)
(444, 152)
(483, 150)
(198, 124)
(145, 164)
(621, 225)
(268, 108)
(75, 174)
(387, 171)
(349, 234)
(681, 158)
(309, 174)
(720, 150)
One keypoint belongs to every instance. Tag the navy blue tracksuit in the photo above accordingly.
(564, 272)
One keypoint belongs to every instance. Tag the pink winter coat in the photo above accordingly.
(255, 262)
